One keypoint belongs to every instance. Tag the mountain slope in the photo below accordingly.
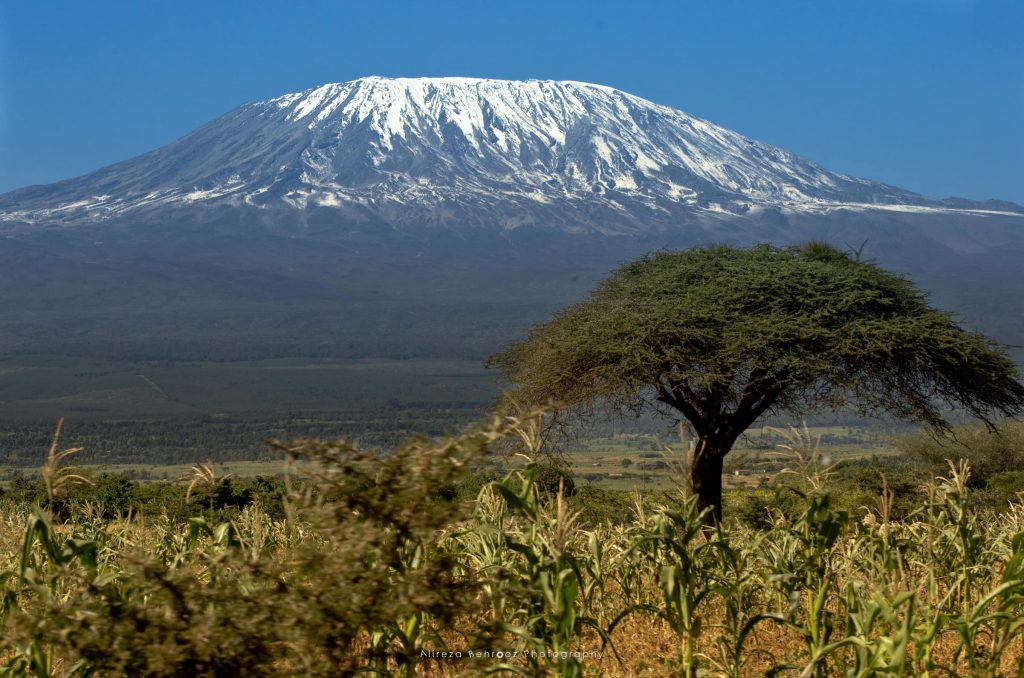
(463, 152)
(438, 217)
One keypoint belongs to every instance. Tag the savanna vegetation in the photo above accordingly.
(722, 336)
(411, 563)
(481, 552)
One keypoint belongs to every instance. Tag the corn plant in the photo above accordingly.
(205, 476)
(59, 478)
(879, 629)
(998, 616)
(371, 571)
(676, 545)
(800, 563)
(548, 571)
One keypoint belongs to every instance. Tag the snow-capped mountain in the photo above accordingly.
(463, 152)
(438, 217)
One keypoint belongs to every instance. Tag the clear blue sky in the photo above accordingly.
(924, 94)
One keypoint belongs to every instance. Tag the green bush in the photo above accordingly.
(987, 451)
(757, 509)
(469, 489)
(856, 485)
(25, 490)
(550, 476)
(1001, 490)
(112, 495)
(597, 506)
(349, 586)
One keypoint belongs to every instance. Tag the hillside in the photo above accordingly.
(438, 217)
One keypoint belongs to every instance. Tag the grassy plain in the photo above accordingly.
(47, 387)
(625, 462)
(649, 461)
(137, 413)
(155, 420)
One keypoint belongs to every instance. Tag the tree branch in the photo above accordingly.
(675, 395)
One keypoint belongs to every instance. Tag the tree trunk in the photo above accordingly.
(706, 476)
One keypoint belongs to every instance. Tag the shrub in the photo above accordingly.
(347, 586)
(987, 451)
(855, 485)
(757, 509)
(469, 489)
(112, 494)
(1001, 490)
(25, 490)
(551, 476)
(597, 506)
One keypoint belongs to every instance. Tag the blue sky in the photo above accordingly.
(924, 94)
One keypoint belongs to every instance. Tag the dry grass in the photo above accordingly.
(370, 572)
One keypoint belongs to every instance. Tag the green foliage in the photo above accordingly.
(25, 490)
(369, 571)
(112, 495)
(594, 506)
(760, 509)
(1002, 490)
(723, 335)
(552, 478)
(858, 484)
(370, 574)
(722, 330)
(988, 450)
(469, 488)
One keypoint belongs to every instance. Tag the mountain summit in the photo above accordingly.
(464, 152)
(438, 217)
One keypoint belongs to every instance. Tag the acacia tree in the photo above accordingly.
(723, 335)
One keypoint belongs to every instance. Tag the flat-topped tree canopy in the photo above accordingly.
(724, 335)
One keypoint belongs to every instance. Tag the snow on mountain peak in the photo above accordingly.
(436, 151)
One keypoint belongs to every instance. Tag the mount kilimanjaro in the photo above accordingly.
(437, 216)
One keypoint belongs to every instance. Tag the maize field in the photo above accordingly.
(370, 573)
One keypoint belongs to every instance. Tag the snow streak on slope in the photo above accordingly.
(462, 152)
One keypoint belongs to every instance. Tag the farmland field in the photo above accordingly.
(811, 574)
(512, 579)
